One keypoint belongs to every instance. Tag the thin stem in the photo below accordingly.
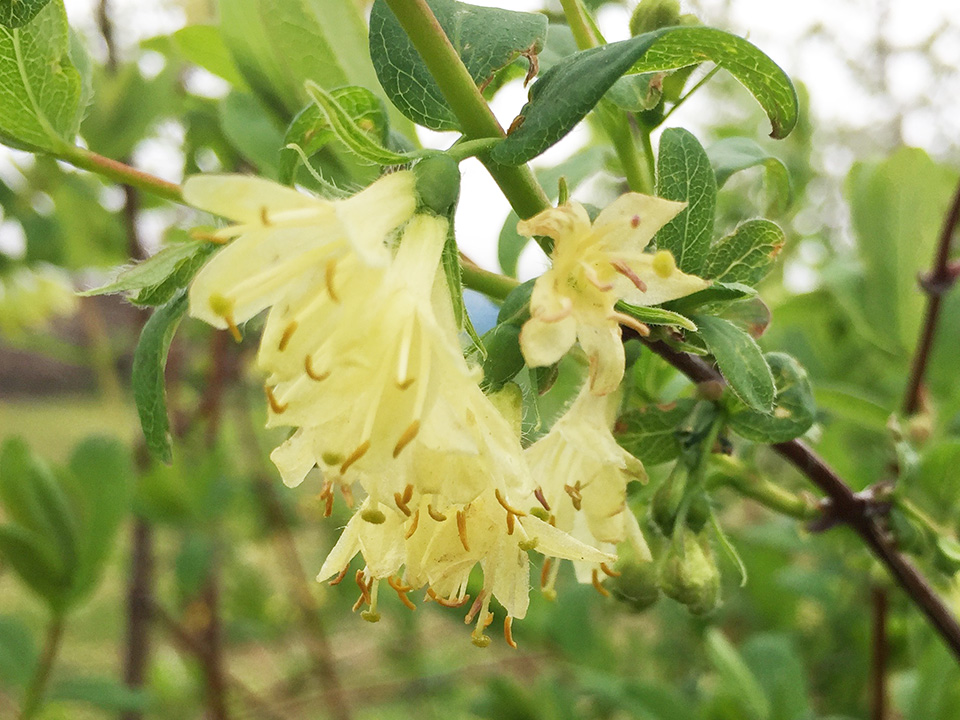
(940, 280)
(703, 81)
(476, 119)
(649, 157)
(879, 654)
(470, 148)
(579, 25)
(139, 593)
(738, 478)
(33, 698)
(491, 284)
(121, 173)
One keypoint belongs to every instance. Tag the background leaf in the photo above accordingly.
(486, 39)
(17, 13)
(733, 154)
(794, 408)
(739, 358)
(746, 255)
(684, 174)
(40, 96)
(18, 652)
(650, 433)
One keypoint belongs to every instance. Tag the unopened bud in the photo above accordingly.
(691, 577)
(636, 587)
(654, 14)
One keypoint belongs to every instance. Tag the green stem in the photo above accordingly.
(33, 698)
(651, 159)
(738, 478)
(476, 119)
(471, 148)
(579, 25)
(489, 283)
(120, 173)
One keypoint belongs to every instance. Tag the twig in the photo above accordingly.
(139, 593)
(935, 285)
(212, 657)
(845, 506)
(879, 653)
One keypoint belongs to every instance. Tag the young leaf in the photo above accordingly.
(656, 316)
(17, 13)
(311, 132)
(718, 292)
(747, 255)
(157, 279)
(35, 562)
(350, 134)
(18, 653)
(650, 433)
(684, 174)
(41, 92)
(504, 359)
(733, 154)
(203, 46)
(740, 361)
(486, 39)
(252, 131)
(149, 361)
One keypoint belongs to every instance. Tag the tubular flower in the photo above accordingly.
(593, 267)
(581, 475)
(284, 239)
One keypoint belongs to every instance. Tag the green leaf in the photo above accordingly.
(203, 46)
(35, 562)
(778, 668)
(17, 13)
(149, 361)
(40, 96)
(100, 487)
(486, 39)
(311, 132)
(737, 683)
(18, 653)
(33, 499)
(636, 93)
(650, 433)
(350, 134)
(574, 171)
(746, 255)
(740, 360)
(157, 279)
(684, 174)
(849, 403)
(103, 693)
(566, 92)
(252, 131)
(794, 409)
(733, 154)
(897, 208)
(768, 83)
(656, 316)
(504, 358)
(718, 292)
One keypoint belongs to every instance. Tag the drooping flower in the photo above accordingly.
(582, 475)
(594, 266)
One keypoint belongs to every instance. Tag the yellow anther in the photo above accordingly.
(275, 405)
(408, 435)
(340, 576)
(402, 591)
(287, 334)
(607, 570)
(598, 586)
(435, 514)
(664, 263)
(506, 506)
(575, 497)
(413, 526)
(538, 494)
(445, 602)
(328, 278)
(402, 504)
(462, 529)
(265, 215)
(545, 572)
(508, 631)
(311, 373)
(355, 455)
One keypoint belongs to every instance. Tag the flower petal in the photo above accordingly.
(544, 343)
(247, 199)
(631, 221)
(294, 458)
(370, 215)
(558, 544)
(660, 289)
(603, 346)
(557, 223)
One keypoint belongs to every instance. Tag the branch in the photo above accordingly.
(845, 506)
(935, 285)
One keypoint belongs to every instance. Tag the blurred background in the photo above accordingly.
(208, 599)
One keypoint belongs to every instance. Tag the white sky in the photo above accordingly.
(774, 26)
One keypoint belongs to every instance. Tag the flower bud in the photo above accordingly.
(636, 587)
(438, 182)
(652, 15)
(691, 577)
(667, 498)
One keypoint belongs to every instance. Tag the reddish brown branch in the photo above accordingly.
(935, 285)
(879, 653)
(845, 506)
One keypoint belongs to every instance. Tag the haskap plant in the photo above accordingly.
(339, 258)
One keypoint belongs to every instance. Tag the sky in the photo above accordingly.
(786, 31)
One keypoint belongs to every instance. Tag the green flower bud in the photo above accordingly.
(699, 512)
(438, 182)
(691, 577)
(654, 14)
(636, 587)
(666, 500)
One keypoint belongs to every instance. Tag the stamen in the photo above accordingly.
(508, 631)
(413, 525)
(621, 267)
(328, 278)
(595, 579)
(234, 330)
(356, 455)
(462, 529)
(403, 377)
(408, 435)
(631, 322)
(486, 617)
(287, 334)
(510, 523)
(402, 591)
(446, 602)
(538, 494)
(372, 615)
(364, 587)
(275, 405)
(264, 215)
(398, 499)
(591, 274)
(574, 492)
(339, 578)
(311, 373)
(566, 307)
(545, 572)
(436, 514)
(607, 570)
(326, 494)
(506, 506)
(408, 493)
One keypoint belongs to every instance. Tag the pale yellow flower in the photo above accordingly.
(594, 266)
(582, 474)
